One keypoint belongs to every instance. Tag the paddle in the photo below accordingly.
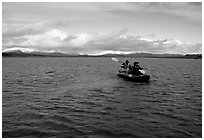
(116, 60)
(142, 71)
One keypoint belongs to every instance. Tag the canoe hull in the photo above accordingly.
(136, 78)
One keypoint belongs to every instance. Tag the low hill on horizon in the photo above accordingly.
(20, 53)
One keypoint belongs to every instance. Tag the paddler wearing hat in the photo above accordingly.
(135, 69)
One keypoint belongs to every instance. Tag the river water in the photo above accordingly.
(83, 97)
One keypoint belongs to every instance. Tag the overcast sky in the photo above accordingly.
(97, 28)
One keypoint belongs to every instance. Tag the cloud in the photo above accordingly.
(190, 11)
(163, 18)
(17, 29)
(121, 41)
(97, 43)
(51, 38)
(80, 40)
(59, 23)
(196, 4)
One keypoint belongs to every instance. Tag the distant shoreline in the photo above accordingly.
(40, 56)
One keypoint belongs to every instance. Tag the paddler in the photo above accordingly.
(125, 65)
(136, 69)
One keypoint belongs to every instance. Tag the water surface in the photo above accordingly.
(83, 97)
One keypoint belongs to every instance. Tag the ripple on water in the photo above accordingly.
(83, 97)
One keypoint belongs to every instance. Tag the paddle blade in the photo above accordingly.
(114, 59)
(142, 71)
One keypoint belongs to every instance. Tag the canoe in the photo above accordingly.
(136, 78)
